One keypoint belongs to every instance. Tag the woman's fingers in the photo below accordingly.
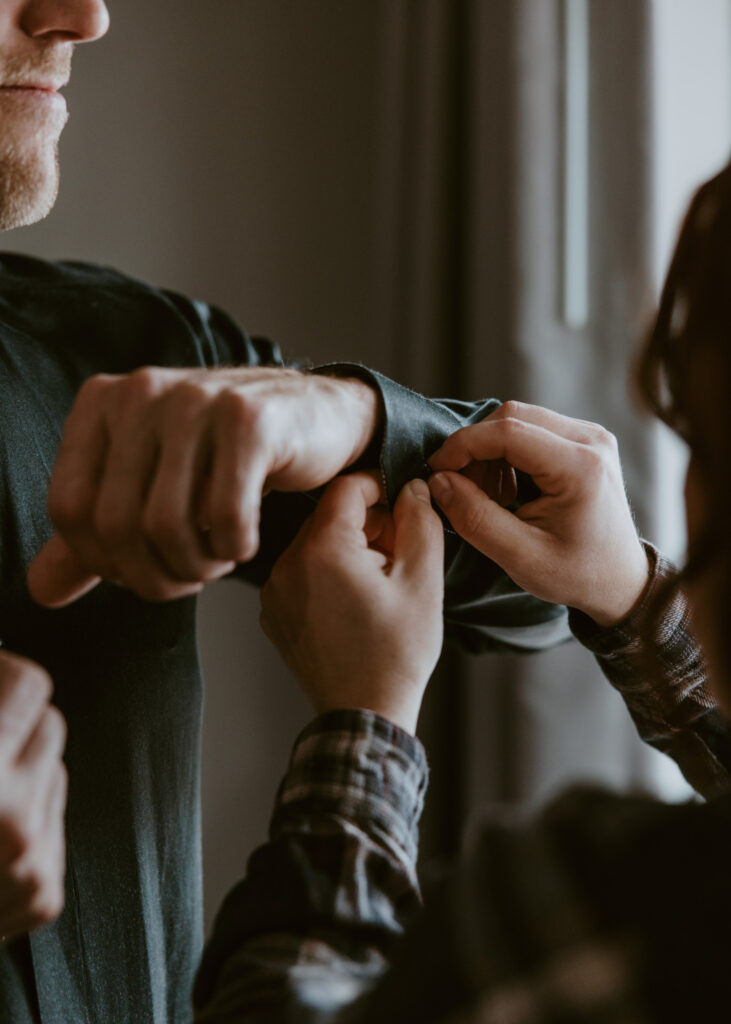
(347, 503)
(539, 452)
(484, 523)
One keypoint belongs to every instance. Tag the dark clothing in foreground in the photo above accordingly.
(606, 909)
(126, 672)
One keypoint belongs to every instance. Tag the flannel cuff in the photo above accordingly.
(630, 636)
(359, 766)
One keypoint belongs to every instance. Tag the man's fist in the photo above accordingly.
(33, 786)
(160, 474)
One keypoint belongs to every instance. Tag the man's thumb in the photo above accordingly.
(56, 577)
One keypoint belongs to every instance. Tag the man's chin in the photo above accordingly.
(28, 190)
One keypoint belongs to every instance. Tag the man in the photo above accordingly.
(156, 490)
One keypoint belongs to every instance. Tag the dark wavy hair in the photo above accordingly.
(692, 330)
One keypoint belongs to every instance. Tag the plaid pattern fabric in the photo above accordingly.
(665, 684)
(599, 911)
(324, 903)
(366, 769)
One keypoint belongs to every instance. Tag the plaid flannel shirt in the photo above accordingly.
(605, 909)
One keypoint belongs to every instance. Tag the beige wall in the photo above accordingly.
(226, 149)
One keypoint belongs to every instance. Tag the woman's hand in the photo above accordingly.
(354, 605)
(576, 544)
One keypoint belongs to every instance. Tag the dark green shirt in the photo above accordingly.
(126, 672)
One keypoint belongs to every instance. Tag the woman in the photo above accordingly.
(606, 908)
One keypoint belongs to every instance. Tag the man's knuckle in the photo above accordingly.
(510, 409)
(190, 391)
(228, 514)
(163, 526)
(143, 383)
(236, 407)
(228, 524)
(244, 415)
(94, 389)
(186, 401)
(113, 524)
(133, 395)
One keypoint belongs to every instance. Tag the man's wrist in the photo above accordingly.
(363, 413)
(363, 405)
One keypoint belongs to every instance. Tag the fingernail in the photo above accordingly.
(441, 489)
(420, 490)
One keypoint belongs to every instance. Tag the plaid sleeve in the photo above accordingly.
(658, 668)
(325, 901)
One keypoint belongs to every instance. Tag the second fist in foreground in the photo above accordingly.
(33, 787)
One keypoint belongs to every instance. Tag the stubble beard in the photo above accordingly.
(29, 137)
(29, 176)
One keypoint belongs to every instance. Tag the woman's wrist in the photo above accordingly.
(614, 604)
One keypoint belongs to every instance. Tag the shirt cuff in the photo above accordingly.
(359, 766)
(412, 426)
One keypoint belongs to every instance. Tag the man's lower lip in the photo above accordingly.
(27, 92)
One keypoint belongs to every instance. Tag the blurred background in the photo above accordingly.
(477, 197)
